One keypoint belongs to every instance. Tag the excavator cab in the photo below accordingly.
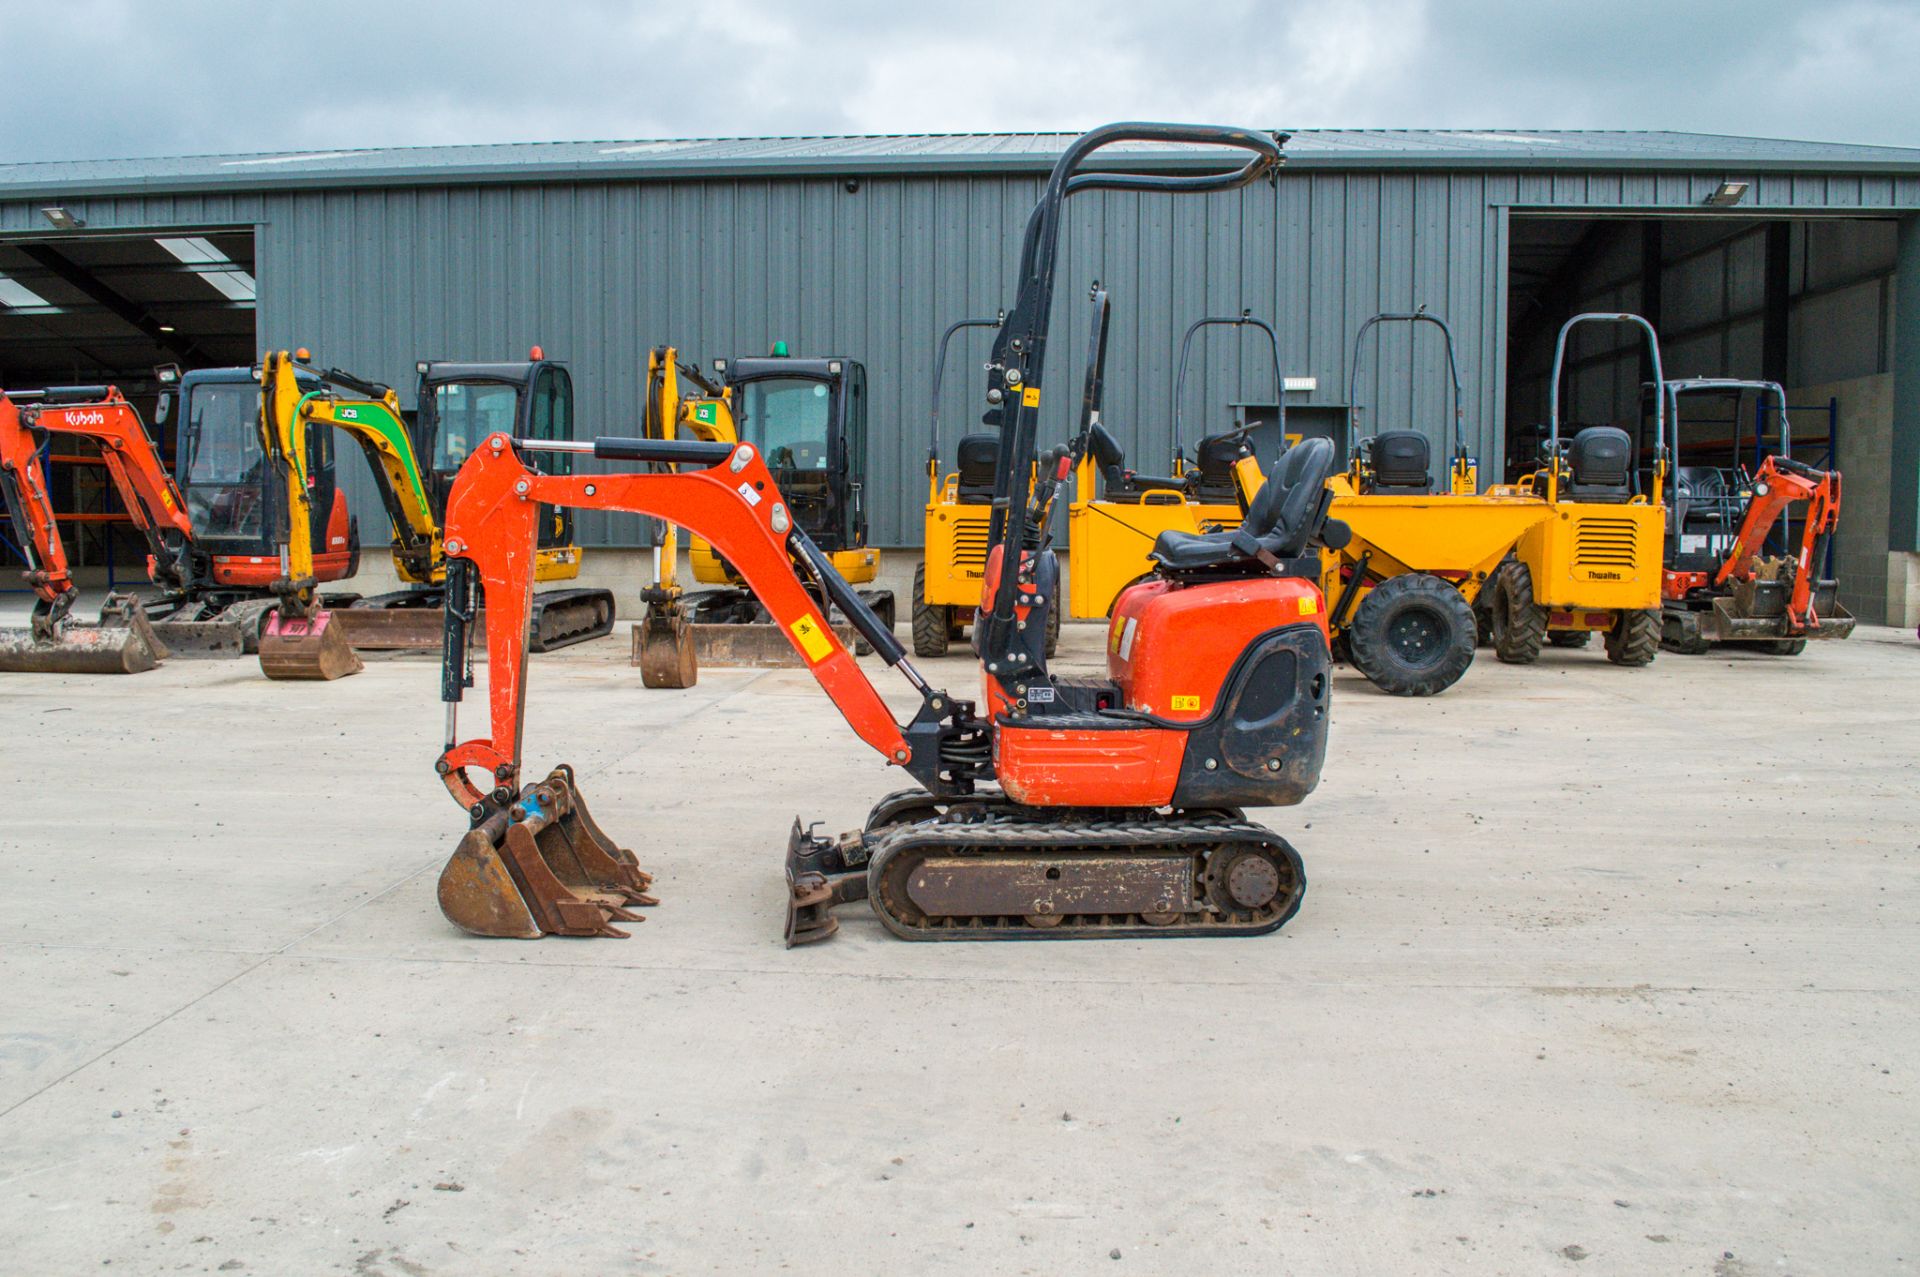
(234, 499)
(460, 404)
(808, 417)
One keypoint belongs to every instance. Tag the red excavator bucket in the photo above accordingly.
(306, 647)
(542, 867)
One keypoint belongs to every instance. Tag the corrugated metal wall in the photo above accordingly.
(372, 280)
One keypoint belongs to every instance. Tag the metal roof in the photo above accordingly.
(928, 153)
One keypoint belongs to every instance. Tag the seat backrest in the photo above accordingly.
(1212, 477)
(1304, 507)
(1290, 493)
(1600, 462)
(1401, 459)
(1105, 449)
(977, 456)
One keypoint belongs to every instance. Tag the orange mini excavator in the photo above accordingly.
(121, 641)
(1055, 807)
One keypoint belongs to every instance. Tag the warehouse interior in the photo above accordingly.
(1806, 302)
(87, 309)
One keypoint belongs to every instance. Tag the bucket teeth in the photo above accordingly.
(542, 868)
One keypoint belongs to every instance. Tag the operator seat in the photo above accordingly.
(1212, 480)
(977, 457)
(1123, 484)
(1600, 466)
(1286, 515)
(1399, 461)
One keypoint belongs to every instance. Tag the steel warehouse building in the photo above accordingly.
(1754, 257)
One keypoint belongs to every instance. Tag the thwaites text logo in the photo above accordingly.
(1593, 575)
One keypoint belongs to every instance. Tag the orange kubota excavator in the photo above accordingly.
(1729, 589)
(1057, 806)
(121, 641)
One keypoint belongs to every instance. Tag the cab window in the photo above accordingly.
(789, 418)
(465, 412)
(553, 416)
(226, 473)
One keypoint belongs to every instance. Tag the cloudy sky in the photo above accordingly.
(105, 78)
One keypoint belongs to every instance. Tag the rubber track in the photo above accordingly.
(988, 831)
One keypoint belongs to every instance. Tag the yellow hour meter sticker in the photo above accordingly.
(814, 640)
(1309, 606)
(1186, 702)
(1030, 396)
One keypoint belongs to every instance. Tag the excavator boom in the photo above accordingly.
(535, 862)
(299, 639)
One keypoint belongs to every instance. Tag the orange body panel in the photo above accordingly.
(1171, 646)
(1047, 768)
(333, 561)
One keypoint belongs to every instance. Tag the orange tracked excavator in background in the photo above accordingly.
(1720, 584)
(218, 550)
(1052, 807)
(121, 641)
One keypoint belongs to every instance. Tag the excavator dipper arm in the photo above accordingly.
(732, 502)
(1779, 483)
(534, 862)
(24, 487)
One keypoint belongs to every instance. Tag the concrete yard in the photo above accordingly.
(1599, 971)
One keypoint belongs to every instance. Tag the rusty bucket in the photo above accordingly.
(542, 867)
(306, 647)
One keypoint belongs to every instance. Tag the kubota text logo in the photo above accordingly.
(87, 418)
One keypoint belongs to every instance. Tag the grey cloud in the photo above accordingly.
(98, 78)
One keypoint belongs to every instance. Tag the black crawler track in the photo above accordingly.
(914, 842)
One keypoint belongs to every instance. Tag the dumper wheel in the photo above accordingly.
(1569, 638)
(1519, 624)
(1782, 647)
(1412, 635)
(931, 624)
(1634, 639)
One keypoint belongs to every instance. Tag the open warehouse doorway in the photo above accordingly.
(108, 309)
(1806, 302)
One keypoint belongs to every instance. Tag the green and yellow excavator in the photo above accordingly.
(413, 458)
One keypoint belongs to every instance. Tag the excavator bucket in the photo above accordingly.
(306, 647)
(663, 647)
(121, 642)
(542, 867)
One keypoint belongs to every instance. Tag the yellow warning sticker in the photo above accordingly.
(1030, 396)
(1186, 702)
(1309, 606)
(813, 639)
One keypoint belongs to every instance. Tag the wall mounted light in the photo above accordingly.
(62, 220)
(1728, 194)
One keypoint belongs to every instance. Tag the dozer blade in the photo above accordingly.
(663, 647)
(122, 644)
(542, 867)
(392, 629)
(756, 646)
(202, 640)
(306, 647)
